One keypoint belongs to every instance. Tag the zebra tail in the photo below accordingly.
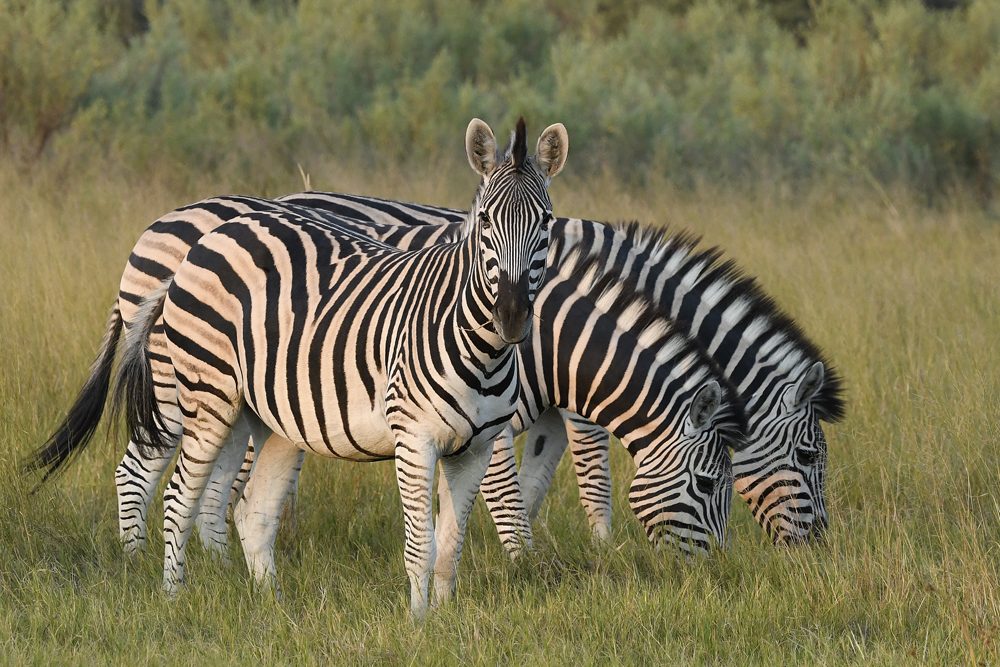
(134, 394)
(78, 426)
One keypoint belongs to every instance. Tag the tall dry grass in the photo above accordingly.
(904, 298)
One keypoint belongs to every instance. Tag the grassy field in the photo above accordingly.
(905, 299)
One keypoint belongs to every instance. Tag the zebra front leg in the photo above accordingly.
(211, 522)
(136, 478)
(544, 448)
(415, 478)
(589, 446)
(458, 485)
(502, 492)
(257, 514)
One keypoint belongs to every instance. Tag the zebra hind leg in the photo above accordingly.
(589, 446)
(213, 530)
(458, 486)
(205, 433)
(257, 513)
(502, 492)
(136, 479)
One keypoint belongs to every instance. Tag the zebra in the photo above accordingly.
(314, 337)
(779, 474)
(678, 429)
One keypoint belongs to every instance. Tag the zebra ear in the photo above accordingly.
(552, 149)
(481, 147)
(807, 387)
(704, 406)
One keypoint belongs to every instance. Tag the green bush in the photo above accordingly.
(709, 91)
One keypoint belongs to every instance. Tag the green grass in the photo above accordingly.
(905, 300)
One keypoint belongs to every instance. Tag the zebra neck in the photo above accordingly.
(584, 360)
(472, 317)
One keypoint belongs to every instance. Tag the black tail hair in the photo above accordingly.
(78, 426)
(135, 395)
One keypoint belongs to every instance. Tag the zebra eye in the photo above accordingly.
(806, 456)
(484, 219)
(705, 483)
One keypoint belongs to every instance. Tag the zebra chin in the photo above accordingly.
(514, 332)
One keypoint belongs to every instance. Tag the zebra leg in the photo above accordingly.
(458, 485)
(501, 490)
(211, 522)
(243, 475)
(545, 446)
(588, 444)
(205, 432)
(415, 478)
(136, 478)
(290, 516)
(257, 514)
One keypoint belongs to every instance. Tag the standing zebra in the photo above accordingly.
(314, 337)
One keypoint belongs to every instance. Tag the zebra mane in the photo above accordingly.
(679, 252)
(616, 294)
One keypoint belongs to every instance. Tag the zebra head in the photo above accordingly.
(510, 217)
(682, 490)
(782, 472)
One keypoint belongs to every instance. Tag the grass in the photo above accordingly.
(904, 298)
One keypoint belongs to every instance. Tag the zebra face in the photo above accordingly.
(782, 472)
(511, 217)
(682, 490)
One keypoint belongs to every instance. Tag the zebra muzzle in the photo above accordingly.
(512, 311)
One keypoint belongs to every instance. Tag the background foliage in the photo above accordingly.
(734, 92)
